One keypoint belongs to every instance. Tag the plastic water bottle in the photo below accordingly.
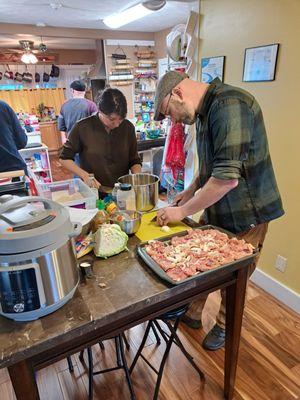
(114, 192)
(91, 186)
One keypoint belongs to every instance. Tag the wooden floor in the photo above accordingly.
(269, 362)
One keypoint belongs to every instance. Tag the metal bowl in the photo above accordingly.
(146, 190)
(131, 222)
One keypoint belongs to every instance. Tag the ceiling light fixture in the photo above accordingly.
(25, 58)
(29, 58)
(131, 14)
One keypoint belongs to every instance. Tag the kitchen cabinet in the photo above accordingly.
(51, 136)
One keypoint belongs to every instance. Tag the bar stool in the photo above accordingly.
(171, 319)
(69, 358)
(121, 363)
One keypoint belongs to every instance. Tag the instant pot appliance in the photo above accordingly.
(38, 265)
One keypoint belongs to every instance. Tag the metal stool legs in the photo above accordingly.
(169, 338)
(121, 364)
(70, 364)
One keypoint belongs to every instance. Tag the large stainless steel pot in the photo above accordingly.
(38, 265)
(146, 189)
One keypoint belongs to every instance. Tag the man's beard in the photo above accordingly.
(189, 119)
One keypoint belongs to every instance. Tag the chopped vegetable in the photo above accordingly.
(109, 240)
(165, 228)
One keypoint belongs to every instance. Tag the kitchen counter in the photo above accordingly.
(150, 143)
(132, 294)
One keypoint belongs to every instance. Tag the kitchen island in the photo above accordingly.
(130, 295)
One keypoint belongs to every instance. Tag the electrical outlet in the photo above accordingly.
(280, 263)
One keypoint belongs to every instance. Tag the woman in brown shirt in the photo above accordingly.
(106, 143)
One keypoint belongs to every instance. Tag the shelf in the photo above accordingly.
(43, 147)
(40, 169)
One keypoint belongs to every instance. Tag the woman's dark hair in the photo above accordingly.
(112, 101)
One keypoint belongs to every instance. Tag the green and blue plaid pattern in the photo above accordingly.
(232, 144)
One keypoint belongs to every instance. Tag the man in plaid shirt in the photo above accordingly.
(238, 186)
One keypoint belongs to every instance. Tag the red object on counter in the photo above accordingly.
(32, 187)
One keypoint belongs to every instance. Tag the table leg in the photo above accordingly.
(23, 381)
(235, 300)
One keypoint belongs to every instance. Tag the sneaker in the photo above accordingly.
(215, 339)
(190, 322)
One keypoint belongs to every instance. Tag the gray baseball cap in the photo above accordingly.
(165, 86)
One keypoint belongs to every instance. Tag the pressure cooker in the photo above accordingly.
(38, 265)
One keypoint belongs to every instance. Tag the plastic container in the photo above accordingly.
(126, 197)
(68, 189)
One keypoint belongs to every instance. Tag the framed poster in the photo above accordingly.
(260, 63)
(211, 68)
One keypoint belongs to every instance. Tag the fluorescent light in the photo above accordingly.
(123, 18)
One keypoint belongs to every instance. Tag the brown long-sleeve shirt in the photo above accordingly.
(107, 155)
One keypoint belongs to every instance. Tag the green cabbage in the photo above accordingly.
(109, 240)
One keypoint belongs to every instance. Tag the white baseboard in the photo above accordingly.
(277, 289)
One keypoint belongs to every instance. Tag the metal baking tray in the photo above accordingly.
(163, 275)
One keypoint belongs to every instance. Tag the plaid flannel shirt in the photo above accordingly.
(232, 144)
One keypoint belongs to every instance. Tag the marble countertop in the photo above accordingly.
(122, 289)
(126, 286)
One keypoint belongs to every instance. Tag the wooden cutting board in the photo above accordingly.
(149, 230)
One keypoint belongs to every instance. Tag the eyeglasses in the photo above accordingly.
(167, 106)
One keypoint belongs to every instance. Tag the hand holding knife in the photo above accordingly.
(169, 214)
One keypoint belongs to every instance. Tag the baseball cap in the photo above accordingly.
(79, 86)
(165, 86)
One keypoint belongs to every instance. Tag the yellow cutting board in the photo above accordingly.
(149, 230)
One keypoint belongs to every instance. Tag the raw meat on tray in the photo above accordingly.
(198, 251)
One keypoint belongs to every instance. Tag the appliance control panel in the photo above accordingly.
(19, 290)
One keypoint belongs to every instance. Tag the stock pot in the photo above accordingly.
(146, 190)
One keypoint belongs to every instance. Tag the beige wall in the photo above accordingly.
(228, 27)
(73, 32)
(160, 43)
(68, 56)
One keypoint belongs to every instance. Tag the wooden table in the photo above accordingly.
(133, 294)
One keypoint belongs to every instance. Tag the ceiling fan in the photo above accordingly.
(27, 53)
(29, 46)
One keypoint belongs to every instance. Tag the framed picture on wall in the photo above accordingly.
(260, 63)
(211, 68)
